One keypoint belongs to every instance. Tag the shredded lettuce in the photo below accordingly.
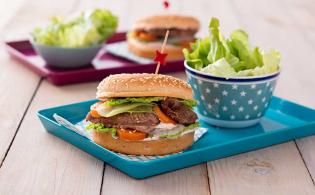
(119, 101)
(100, 128)
(230, 57)
(88, 29)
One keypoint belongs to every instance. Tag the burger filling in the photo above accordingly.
(143, 118)
(179, 37)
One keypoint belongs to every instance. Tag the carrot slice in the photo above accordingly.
(146, 36)
(131, 135)
(163, 117)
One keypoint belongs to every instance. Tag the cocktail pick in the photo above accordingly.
(160, 56)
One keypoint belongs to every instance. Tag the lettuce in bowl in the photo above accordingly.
(90, 28)
(232, 56)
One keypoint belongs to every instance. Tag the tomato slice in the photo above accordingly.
(163, 117)
(131, 135)
(95, 114)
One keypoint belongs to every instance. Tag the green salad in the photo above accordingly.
(88, 29)
(232, 56)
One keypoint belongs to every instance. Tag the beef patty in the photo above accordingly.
(178, 111)
(144, 122)
(160, 33)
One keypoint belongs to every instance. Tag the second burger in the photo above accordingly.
(148, 34)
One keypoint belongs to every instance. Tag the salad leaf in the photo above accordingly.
(88, 29)
(191, 126)
(189, 103)
(119, 101)
(230, 57)
(220, 68)
(100, 128)
(199, 56)
(217, 49)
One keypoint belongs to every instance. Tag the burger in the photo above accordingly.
(148, 34)
(143, 114)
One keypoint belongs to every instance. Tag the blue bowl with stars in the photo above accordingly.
(234, 102)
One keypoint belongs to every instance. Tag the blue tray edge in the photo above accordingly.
(256, 142)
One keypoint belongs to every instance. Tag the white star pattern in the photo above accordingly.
(243, 93)
(233, 102)
(266, 104)
(234, 86)
(271, 88)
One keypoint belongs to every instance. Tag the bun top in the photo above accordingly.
(143, 85)
(167, 22)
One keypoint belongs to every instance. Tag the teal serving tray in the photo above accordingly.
(284, 121)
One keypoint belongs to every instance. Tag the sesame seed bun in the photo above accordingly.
(147, 50)
(155, 147)
(142, 85)
(167, 22)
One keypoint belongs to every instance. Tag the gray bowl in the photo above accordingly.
(62, 57)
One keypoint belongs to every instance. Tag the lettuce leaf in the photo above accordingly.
(191, 126)
(100, 128)
(217, 49)
(230, 57)
(119, 101)
(199, 55)
(88, 29)
(189, 103)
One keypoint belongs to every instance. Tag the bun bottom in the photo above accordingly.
(151, 148)
(147, 50)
